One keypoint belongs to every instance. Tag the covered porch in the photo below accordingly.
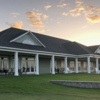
(19, 63)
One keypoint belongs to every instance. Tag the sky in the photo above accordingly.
(74, 20)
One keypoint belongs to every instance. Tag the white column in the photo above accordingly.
(37, 63)
(76, 65)
(66, 65)
(16, 63)
(97, 64)
(2, 62)
(52, 64)
(30, 65)
(88, 64)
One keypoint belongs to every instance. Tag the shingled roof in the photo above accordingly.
(93, 48)
(52, 44)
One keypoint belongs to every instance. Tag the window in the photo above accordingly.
(85, 65)
(72, 64)
(27, 41)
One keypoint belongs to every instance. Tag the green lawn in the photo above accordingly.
(32, 87)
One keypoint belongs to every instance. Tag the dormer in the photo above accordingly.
(29, 39)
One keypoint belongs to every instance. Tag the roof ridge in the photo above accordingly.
(51, 36)
(93, 46)
(39, 34)
(85, 47)
(80, 44)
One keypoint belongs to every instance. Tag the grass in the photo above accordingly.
(32, 87)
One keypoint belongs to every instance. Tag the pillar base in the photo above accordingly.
(16, 75)
(65, 72)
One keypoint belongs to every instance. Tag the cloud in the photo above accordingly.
(0, 30)
(40, 30)
(65, 14)
(77, 11)
(35, 19)
(94, 19)
(45, 17)
(89, 7)
(81, 8)
(62, 5)
(75, 14)
(31, 18)
(91, 10)
(39, 14)
(47, 7)
(58, 22)
(36, 23)
(98, 10)
(79, 3)
(15, 14)
(17, 24)
(30, 13)
(92, 14)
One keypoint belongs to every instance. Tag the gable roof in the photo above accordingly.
(52, 44)
(76, 48)
(93, 48)
(32, 36)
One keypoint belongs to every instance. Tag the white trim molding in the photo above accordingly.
(31, 34)
(97, 50)
(10, 49)
(37, 39)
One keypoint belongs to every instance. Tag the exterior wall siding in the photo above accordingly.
(44, 66)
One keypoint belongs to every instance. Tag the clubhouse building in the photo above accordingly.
(26, 52)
